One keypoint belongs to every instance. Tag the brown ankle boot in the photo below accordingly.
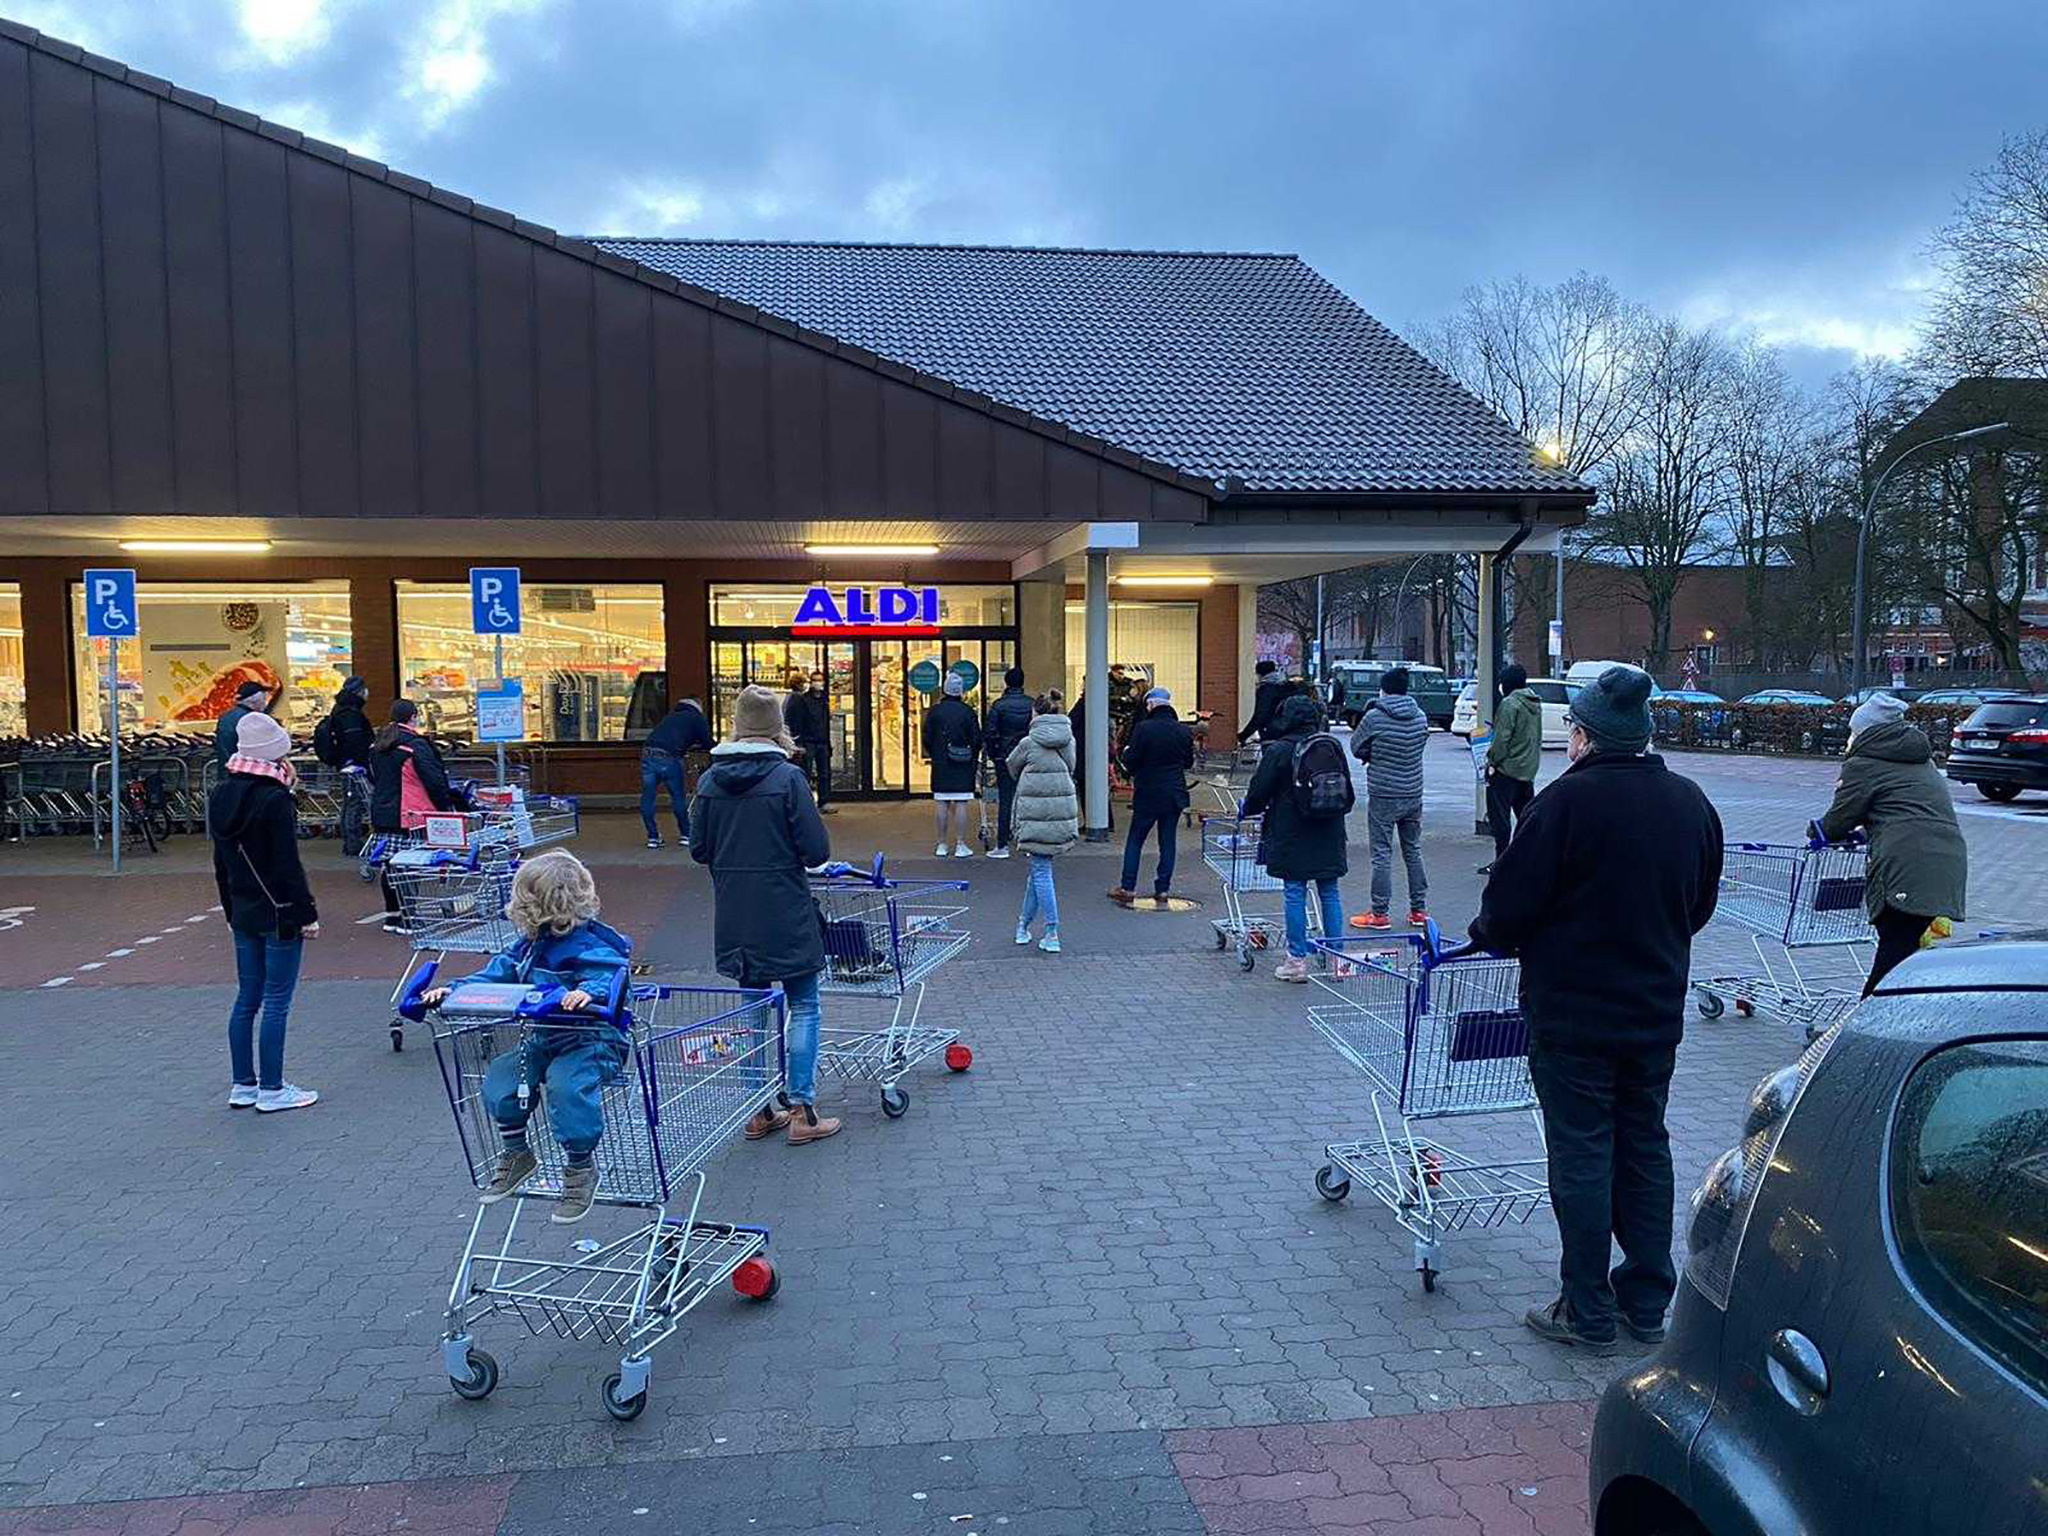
(768, 1119)
(804, 1125)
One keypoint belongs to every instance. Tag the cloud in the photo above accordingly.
(674, 207)
(448, 59)
(88, 26)
(1862, 312)
(280, 31)
(311, 118)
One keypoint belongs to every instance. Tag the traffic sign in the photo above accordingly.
(494, 599)
(110, 603)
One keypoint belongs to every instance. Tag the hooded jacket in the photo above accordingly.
(1293, 846)
(808, 719)
(352, 732)
(1517, 748)
(754, 823)
(589, 956)
(681, 731)
(952, 744)
(1009, 722)
(1047, 813)
(1891, 788)
(256, 866)
(1389, 739)
(1614, 868)
(402, 753)
(1157, 756)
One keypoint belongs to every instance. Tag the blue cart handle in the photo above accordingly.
(839, 869)
(545, 1003)
(412, 1007)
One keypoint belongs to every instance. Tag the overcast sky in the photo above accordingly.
(1770, 164)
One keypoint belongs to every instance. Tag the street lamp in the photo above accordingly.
(1863, 537)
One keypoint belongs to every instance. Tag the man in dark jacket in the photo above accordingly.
(1613, 870)
(1514, 757)
(349, 728)
(1389, 739)
(251, 698)
(1009, 722)
(682, 730)
(1296, 848)
(808, 718)
(1157, 758)
(753, 822)
(1272, 688)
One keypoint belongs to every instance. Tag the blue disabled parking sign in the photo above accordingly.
(109, 604)
(494, 599)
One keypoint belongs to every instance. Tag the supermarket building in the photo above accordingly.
(215, 331)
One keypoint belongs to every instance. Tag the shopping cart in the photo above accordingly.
(988, 797)
(452, 902)
(1805, 906)
(883, 938)
(700, 1063)
(1230, 847)
(1437, 1033)
(528, 821)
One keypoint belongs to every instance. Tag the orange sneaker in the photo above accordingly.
(1417, 918)
(1372, 920)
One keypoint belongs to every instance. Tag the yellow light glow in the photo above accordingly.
(864, 550)
(1551, 452)
(1706, 634)
(196, 546)
(1165, 581)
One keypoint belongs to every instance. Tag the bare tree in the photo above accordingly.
(1771, 444)
(1990, 312)
(1964, 529)
(1290, 607)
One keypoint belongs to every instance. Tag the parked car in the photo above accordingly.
(1784, 696)
(1860, 1340)
(2002, 747)
(1829, 734)
(1864, 695)
(1970, 696)
(1427, 686)
(1709, 726)
(1688, 696)
(1555, 694)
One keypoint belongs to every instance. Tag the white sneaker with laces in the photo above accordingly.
(999, 853)
(940, 850)
(654, 842)
(1050, 943)
(1023, 937)
(241, 1095)
(962, 851)
(284, 1096)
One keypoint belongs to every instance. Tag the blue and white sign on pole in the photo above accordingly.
(494, 599)
(110, 615)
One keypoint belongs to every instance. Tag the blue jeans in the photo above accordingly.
(572, 1066)
(657, 769)
(1167, 820)
(267, 969)
(1294, 902)
(1039, 896)
(801, 992)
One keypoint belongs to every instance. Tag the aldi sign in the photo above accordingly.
(868, 612)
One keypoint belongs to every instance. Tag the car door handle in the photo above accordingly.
(1797, 1370)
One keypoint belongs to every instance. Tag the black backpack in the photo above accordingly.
(327, 742)
(1322, 779)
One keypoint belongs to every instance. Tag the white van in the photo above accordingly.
(1589, 671)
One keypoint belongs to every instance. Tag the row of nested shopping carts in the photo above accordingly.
(699, 1062)
(1233, 848)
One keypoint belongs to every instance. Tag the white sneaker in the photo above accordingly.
(1023, 937)
(654, 842)
(962, 851)
(285, 1096)
(999, 853)
(241, 1095)
(1050, 943)
(940, 850)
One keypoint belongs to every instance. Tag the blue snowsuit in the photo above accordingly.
(574, 1065)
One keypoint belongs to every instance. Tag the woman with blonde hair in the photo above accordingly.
(561, 944)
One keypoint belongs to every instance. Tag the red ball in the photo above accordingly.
(753, 1278)
(959, 1057)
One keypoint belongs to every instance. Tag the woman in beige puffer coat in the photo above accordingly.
(1047, 812)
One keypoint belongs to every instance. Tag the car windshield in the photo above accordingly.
(2010, 714)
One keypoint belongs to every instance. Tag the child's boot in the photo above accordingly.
(513, 1166)
(579, 1188)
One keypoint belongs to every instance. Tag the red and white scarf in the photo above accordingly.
(264, 768)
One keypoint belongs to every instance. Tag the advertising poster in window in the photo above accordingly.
(195, 655)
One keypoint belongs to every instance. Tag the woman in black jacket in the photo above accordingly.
(407, 784)
(1298, 849)
(952, 744)
(269, 907)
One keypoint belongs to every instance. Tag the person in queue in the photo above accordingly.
(252, 697)
(1157, 758)
(952, 745)
(807, 716)
(1918, 871)
(1389, 739)
(408, 783)
(1266, 697)
(1302, 840)
(754, 824)
(663, 763)
(1009, 722)
(1048, 812)
(269, 907)
(1513, 758)
(1614, 869)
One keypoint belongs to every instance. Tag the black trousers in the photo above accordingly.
(1610, 1181)
(1506, 797)
(1144, 818)
(1898, 935)
(818, 763)
(1006, 798)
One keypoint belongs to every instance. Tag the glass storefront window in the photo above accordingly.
(759, 605)
(199, 641)
(13, 695)
(580, 650)
(1159, 640)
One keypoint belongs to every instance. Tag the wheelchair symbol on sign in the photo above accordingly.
(500, 616)
(112, 619)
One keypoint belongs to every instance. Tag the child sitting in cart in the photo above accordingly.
(562, 944)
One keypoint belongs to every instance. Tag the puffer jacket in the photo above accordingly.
(1389, 739)
(1890, 787)
(1517, 748)
(753, 821)
(1047, 814)
(588, 957)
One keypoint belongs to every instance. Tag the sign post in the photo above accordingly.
(494, 611)
(110, 614)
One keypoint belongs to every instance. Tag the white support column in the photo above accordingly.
(1095, 767)
(1484, 681)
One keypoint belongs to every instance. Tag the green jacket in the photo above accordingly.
(1891, 788)
(1517, 750)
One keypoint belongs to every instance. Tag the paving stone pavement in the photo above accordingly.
(1063, 1268)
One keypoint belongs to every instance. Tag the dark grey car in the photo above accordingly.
(1861, 1341)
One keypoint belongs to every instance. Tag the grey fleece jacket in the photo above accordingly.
(1389, 741)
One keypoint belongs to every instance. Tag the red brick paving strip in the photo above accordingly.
(1476, 1472)
(471, 1506)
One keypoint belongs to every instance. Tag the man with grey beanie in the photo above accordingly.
(1612, 871)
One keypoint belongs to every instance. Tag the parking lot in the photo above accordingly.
(1088, 1285)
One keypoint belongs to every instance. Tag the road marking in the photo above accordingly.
(58, 981)
(151, 939)
(116, 954)
(179, 929)
(92, 965)
(374, 917)
(200, 918)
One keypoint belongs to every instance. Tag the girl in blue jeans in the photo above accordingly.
(1046, 812)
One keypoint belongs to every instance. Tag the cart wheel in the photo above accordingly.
(482, 1377)
(1244, 957)
(1220, 939)
(757, 1279)
(624, 1409)
(959, 1057)
(1329, 1184)
(894, 1102)
(1711, 1006)
(1429, 1279)
(398, 1037)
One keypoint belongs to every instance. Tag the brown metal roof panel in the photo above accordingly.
(73, 350)
(143, 475)
(24, 486)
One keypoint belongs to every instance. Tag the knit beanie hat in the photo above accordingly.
(956, 685)
(757, 716)
(1878, 709)
(1614, 709)
(1157, 697)
(259, 736)
(250, 689)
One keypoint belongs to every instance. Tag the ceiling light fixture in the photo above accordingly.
(863, 550)
(1165, 581)
(196, 546)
